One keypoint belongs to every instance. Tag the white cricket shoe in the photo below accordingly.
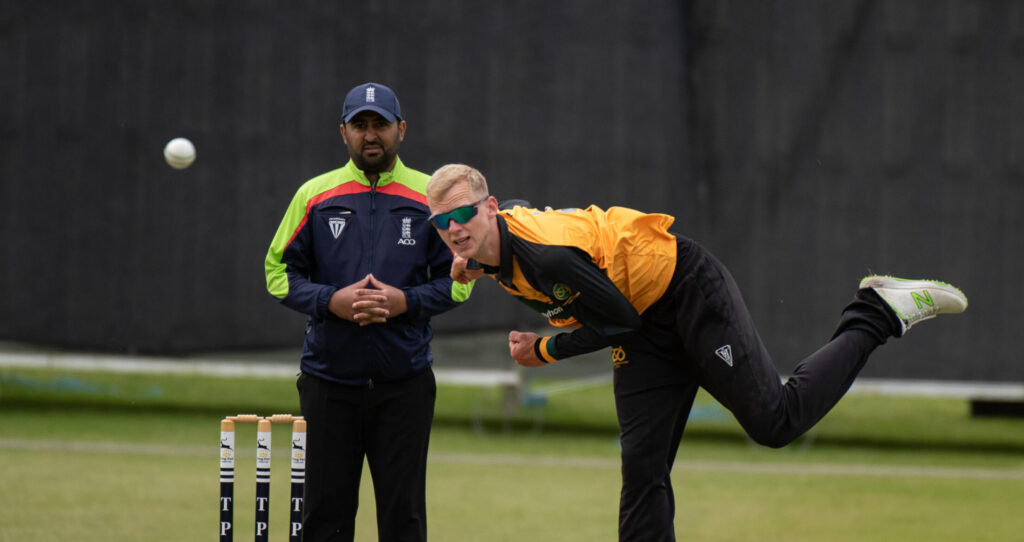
(916, 300)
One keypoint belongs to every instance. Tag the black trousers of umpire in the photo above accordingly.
(700, 334)
(389, 424)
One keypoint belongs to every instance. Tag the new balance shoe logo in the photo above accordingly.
(915, 300)
(925, 299)
(725, 353)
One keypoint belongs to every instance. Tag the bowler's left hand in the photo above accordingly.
(520, 346)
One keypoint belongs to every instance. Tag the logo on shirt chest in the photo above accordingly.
(563, 294)
(406, 238)
(337, 225)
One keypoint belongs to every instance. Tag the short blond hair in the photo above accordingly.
(452, 174)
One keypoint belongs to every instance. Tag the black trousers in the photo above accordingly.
(389, 425)
(700, 334)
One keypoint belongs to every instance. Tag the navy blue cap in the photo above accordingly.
(371, 97)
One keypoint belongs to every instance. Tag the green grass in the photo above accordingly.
(103, 456)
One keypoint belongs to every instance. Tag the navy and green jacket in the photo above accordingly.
(338, 228)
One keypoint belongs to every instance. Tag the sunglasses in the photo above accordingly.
(459, 214)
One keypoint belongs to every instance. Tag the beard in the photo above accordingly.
(376, 164)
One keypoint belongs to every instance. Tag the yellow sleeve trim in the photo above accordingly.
(544, 350)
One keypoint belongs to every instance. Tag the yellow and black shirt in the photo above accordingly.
(595, 269)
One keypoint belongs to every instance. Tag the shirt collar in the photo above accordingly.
(386, 177)
(504, 270)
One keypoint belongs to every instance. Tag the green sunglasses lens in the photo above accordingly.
(460, 215)
(464, 214)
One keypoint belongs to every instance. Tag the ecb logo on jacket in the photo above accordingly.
(406, 238)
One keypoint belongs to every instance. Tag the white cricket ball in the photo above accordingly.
(179, 153)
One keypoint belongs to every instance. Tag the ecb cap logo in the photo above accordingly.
(561, 291)
(371, 97)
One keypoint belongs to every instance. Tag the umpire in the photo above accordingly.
(356, 254)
